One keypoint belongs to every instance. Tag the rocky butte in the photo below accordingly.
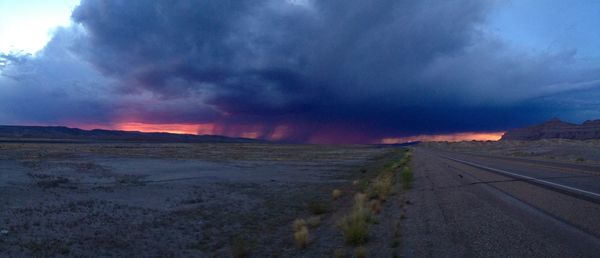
(556, 129)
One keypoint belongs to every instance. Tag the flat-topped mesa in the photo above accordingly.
(554, 129)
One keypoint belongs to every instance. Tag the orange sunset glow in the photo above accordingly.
(456, 137)
(167, 128)
(280, 132)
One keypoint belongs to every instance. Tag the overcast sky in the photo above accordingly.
(300, 70)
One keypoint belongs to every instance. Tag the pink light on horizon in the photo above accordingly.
(197, 129)
(245, 131)
(282, 132)
(455, 137)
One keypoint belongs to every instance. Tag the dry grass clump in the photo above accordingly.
(336, 194)
(382, 185)
(300, 233)
(301, 237)
(360, 252)
(355, 226)
(360, 205)
(298, 224)
(407, 157)
(407, 177)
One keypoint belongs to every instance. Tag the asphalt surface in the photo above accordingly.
(472, 205)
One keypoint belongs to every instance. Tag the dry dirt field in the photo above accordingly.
(185, 200)
(241, 200)
(561, 150)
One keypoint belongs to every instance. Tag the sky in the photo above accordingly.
(351, 71)
(28, 25)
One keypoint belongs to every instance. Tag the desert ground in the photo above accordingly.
(505, 199)
(563, 150)
(273, 200)
(183, 200)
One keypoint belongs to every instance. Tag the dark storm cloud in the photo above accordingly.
(370, 69)
(54, 87)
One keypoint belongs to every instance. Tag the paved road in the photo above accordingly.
(472, 205)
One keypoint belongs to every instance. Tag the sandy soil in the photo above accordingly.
(149, 200)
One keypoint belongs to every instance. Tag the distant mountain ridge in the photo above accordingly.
(556, 129)
(65, 133)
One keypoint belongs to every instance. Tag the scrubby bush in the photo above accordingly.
(336, 193)
(298, 224)
(382, 185)
(355, 226)
(301, 237)
(300, 233)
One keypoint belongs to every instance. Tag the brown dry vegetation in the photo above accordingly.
(336, 194)
(355, 226)
(301, 237)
